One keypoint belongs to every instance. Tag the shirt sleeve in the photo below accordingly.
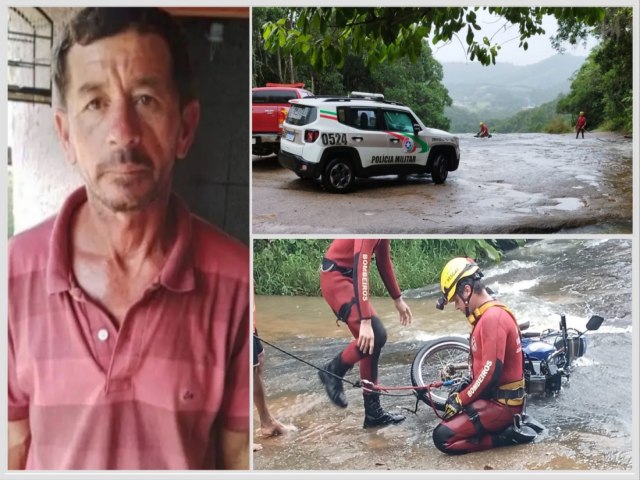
(385, 267)
(362, 254)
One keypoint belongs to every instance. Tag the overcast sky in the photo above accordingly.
(539, 45)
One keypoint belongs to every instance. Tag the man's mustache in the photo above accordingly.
(124, 157)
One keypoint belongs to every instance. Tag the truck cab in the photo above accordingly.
(269, 108)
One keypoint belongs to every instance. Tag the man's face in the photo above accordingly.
(123, 124)
(458, 301)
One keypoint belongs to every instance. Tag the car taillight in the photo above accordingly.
(311, 136)
(282, 115)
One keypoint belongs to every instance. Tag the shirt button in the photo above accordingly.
(103, 334)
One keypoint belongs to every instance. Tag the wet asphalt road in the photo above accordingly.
(511, 183)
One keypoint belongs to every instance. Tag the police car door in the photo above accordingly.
(365, 135)
(404, 146)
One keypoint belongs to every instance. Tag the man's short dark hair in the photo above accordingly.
(477, 285)
(95, 23)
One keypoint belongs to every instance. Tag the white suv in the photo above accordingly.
(341, 138)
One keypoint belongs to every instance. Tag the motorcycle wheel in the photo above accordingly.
(446, 358)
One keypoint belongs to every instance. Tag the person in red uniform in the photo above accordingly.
(484, 131)
(581, 125)
(344, 281)
(479, 413)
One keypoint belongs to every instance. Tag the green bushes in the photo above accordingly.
(558, 124)
(291, 267)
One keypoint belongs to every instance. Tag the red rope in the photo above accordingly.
(381, 388)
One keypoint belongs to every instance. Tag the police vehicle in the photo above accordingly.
(337, 139)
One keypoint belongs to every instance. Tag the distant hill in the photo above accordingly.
(501, 90)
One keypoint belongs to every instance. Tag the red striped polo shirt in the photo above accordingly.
(151, 394)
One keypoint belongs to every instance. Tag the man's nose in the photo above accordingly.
(125, 125)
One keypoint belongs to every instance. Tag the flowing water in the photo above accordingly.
(588, 425)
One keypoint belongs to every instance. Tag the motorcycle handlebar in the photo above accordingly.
(530, 334)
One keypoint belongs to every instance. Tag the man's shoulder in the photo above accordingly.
(215, 250)
(500, 315)
(30, 249)
(496, 312)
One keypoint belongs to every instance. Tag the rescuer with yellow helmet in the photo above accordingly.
(484, 131)
(581, 124)
(479, 412)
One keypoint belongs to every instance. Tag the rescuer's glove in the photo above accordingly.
(453, 406)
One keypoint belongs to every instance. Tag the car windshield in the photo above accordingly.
(300, 115)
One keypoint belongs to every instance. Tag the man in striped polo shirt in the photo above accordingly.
(128, 316)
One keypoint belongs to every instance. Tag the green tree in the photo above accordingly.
(603, 87)
(268, 66)
(542, 118)
(328, 35)
(418, 85)
(280, 66)
(587, 94)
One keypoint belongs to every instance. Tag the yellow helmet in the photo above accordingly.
(481, 123)
(581, 113)
(454, 271)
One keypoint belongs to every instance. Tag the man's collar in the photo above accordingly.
(176, 275)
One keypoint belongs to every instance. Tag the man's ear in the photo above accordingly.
(62, 129)
(189, 125)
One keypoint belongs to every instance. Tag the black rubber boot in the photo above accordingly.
(513, 436)
(333, 385)
(375, 415)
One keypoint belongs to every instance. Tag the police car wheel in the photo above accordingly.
(440, 169)
(339, 176)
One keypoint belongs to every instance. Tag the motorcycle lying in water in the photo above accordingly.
(548, 359)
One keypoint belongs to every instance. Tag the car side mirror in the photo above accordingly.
(416, 129)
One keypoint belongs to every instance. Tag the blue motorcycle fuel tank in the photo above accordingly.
(537, 349)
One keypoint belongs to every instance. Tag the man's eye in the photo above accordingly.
(145, 100)
(94, 104)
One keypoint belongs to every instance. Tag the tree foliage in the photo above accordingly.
(603, 87)
(290, 267)
(542, 118)
(328, 35)
(417, 84)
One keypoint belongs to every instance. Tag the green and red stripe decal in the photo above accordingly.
(329, 115)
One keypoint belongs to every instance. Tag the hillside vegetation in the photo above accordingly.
(499, 91)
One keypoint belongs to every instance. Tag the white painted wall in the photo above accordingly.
(42, 178)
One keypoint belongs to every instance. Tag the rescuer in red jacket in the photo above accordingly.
(344, 281)
(479, 414)
(581, 125)
(484, 131)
